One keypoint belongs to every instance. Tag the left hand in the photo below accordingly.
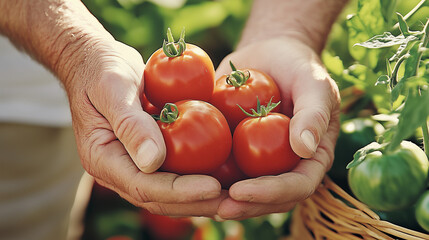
(306, 86)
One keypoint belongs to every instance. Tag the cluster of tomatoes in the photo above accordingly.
(229, 128)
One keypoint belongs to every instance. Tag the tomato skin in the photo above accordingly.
(149, 107)
(188, 76)
(390, 181)
(164, 227)
(198, 142)
(226, 97)
(228, 173)
(261, 145)
(422, 211)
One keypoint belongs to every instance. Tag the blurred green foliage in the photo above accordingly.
(356, 67)
(215, 26)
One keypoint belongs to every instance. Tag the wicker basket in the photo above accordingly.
(331, 213)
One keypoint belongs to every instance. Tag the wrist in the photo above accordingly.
(59, 33)
(308, 21)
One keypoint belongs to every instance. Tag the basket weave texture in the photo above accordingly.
(331, 213)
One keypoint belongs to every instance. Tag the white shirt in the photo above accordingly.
(28, 92)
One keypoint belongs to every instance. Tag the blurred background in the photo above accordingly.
(216, 26)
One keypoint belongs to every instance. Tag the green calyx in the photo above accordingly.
(169, 113)
(261, 110)
(237, 78)
(172, 49)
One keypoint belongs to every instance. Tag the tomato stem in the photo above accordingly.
(425, 129)
(261, 110)
(169, 113)
(237, 78)
(172, 49)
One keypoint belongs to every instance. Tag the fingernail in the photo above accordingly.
(218, 219)
(147, 155)
(309, 141)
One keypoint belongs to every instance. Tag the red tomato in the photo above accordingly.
(226, 96)
(149, 107)
(261, 145)
(198, 141)
(228, 173)
(164, 227)
(189, 75)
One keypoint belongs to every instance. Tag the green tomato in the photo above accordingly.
(422, 211)
(391, 180)
(354, 134)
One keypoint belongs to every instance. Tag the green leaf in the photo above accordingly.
(402, 50)
(414, 113)
(412, 61)
(383, 79)
(366, 23)
(386, 40)
(397, 90)
(403, 26)
(361, 154)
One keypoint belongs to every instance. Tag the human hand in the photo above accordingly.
(312, 98)
(121, 145)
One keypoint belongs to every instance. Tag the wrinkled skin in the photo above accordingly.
(305, 85)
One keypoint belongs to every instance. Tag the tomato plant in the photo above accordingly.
(389, 180)
(392, 173)
(241, 87)
(261, 143)
(164, 227)
(422, 211)
(178, 71)
(229, 173)
(196, 135)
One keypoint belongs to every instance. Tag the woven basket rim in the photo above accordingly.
(325, 216)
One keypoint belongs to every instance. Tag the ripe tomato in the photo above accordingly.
(261, 144)
(242, 87)
(228, 173)
(164, 227)
(149, 107)
(198, 138)
(389, 181)
(187, 74)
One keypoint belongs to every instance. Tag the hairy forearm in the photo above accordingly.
(308, 20)
(58, 33)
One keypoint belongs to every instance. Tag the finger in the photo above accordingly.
(288, 187)
(230, 209)
(293, 186)
(112, 167)
(198, 208)
(116, 98)
(313, 110)
(204, 208)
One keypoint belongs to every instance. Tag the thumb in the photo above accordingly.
(141, 137)
(313, 109)
(116, 98)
